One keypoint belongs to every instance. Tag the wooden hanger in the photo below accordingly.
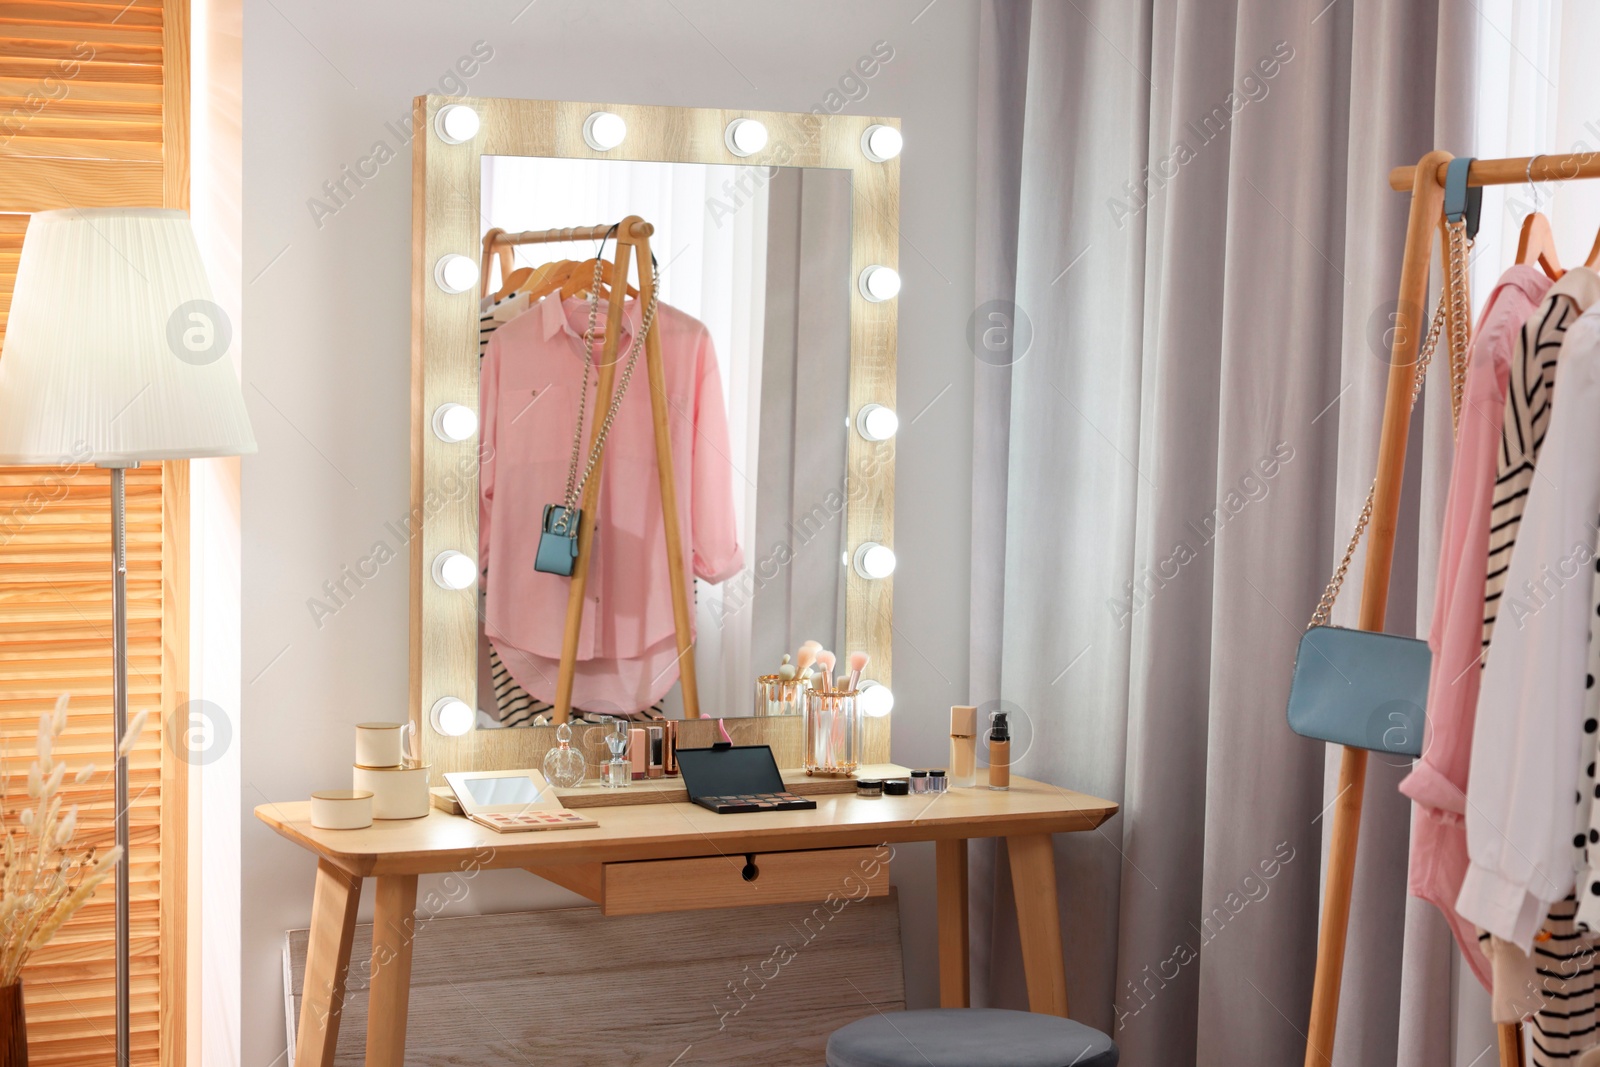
(551, 279)
(582, 277)
(1593, 262)
(1537, 245)
(514, 281)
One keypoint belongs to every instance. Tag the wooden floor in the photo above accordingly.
(739, 986)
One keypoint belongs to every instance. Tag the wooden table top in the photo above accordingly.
(440, 843)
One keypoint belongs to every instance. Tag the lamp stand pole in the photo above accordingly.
(119, 727)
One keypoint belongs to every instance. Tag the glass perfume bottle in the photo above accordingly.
(564, 765)
(618, 770)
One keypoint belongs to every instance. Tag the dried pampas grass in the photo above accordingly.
(42, 880)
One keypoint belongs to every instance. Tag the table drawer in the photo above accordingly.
(650, 886)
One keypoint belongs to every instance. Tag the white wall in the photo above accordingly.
(327, 377)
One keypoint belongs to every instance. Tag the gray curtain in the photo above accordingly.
(1188, 251)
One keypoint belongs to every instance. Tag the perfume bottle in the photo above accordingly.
(618, 770)
(564, 765)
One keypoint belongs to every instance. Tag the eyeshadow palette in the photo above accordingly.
(739, 802)
(508, 822)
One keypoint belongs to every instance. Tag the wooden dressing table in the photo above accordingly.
(677, 856)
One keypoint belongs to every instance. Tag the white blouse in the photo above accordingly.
(1531, 706)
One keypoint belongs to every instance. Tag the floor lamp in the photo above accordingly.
(114, 355)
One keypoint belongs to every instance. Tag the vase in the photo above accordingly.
(13, 1027)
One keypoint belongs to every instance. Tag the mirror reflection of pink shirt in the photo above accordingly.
(531, 376)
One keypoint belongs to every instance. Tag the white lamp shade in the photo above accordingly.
(114, 351)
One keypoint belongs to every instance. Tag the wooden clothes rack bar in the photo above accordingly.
(1426, 182)
(633, 238)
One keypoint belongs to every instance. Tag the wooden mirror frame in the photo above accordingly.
(445, 217)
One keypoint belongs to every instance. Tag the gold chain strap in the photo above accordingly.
(1456, 295)
(574, 483)
(1460, 322)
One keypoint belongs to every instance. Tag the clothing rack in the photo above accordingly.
(632, 235)
(1426, 181)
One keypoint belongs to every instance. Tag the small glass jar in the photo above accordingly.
(833, 733)
(779, 696)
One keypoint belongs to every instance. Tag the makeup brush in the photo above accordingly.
(788, 671)
(808, 656)
(826, 662)
(858, 663)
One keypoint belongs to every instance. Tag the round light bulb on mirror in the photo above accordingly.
(454, 422)
(873, 560)
(452, 716)
(455, 273)
(881, 143)
(745, 137)
(877, 423)
(875, 699)
(454, 570)
(879, 283)
(456, 123)
(604, 130)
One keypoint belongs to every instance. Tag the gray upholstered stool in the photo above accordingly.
(969, 1037)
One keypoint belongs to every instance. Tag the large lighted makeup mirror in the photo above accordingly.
(773, 241)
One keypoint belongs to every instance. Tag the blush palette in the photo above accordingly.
(516, 822)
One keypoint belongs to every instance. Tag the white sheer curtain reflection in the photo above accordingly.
(1189, 205)
(712, 265)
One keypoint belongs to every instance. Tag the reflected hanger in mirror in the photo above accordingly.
(577, 284)
(551, 278)
(1537, 245)
(514, 281)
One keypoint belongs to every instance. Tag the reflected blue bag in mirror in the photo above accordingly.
(558, 540)
(1360, 688)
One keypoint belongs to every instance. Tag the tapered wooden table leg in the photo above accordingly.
(333, 928)
(1033, 883)
(393, 932)
(953, 946)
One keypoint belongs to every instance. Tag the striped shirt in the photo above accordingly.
(1529, 394)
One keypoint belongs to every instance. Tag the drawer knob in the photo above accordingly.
(751, 872)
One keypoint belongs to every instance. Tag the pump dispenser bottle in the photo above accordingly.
(999, 752)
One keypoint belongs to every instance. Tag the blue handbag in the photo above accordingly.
(557, 552)
(1362, 688)
(558, 540)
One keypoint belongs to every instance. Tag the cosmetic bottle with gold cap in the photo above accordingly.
(963, 746)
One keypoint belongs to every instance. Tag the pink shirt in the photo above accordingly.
(1438, 781)
(532, 374)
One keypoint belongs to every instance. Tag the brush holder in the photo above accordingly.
(779, 696)
(833, 733)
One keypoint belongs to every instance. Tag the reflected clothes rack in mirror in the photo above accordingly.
(632, 237)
